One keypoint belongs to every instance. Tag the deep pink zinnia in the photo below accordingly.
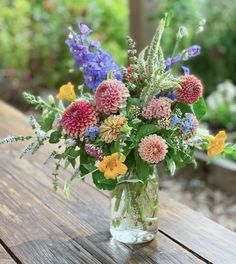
(92, 151)
(78, 117)
(153, 149)
(157, 108)
(191, 90)
(111, 96)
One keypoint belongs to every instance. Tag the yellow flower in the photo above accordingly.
(67, 92)
(216, 144)
(112, 166)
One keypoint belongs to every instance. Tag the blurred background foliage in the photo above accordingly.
(33, 54)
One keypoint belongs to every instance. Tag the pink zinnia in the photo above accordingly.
(111, 96)
(191, 90)
(153, 149)
(157, 108)
(78, 117)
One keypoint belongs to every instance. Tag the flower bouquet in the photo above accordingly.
(121, 124)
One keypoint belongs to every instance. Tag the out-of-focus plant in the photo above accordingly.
(217, 40)
(222, 106)
(33, 52)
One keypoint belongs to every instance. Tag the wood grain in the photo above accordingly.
(5, 257)
(83, 221)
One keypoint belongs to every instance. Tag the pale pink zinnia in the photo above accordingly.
(111, 96)
(153, 149)
(157, 108)
(191, 90)
(78, 117)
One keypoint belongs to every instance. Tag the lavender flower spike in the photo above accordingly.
(91, 58)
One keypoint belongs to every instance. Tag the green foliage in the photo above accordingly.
(142, 167)
(13, 139)
(199, 108)
(221, 104)
(102, 183)
(33, 50)
(217, 40)
(55, 137)
(47, 121)
(146, 130)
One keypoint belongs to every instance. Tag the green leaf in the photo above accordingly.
(72, 162)
(89, 167)
(184, 108)
(142, 167)
(47, 121)
(66, 190)
(130, 181)
(102, 183)
(55, 137)
(146, 130)
(72, 153)
(171, 166)
(199, 108)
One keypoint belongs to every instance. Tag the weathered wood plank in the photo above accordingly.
(37, 235)
(27, 194)
(203, 236)
(86, 204)
(5, 257)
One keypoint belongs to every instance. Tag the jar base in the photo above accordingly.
(129, 236)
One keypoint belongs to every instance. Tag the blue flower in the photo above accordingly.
(194, 51)
(187, 125)
(175, 120)
(184, 55)
(92, 132)
(170, 94)
(186, 70)
(91, 58)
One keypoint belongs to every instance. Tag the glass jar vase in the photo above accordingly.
(134, 207)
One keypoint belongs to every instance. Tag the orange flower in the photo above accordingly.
(112, 166)
(67, 92)
(216, 144)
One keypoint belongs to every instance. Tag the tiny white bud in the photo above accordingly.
(51, 100)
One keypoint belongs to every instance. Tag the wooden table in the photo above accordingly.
(38, 225)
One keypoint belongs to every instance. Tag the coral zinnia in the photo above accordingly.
(111, 128)
(111, 96)
(67, 92)
(153, 149)
(157, 108)
(112, 166)
(216, 144)
(78, 117)
(191, 90)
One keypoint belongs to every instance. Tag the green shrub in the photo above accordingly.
(33, 52)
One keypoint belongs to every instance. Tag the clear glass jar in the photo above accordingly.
(134, 207)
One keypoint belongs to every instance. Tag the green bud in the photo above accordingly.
(51, 100)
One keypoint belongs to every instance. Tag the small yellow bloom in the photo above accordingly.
(216, 144)
(112, 166)
(67, 92)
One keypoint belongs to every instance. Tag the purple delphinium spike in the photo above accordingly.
(91, 58)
